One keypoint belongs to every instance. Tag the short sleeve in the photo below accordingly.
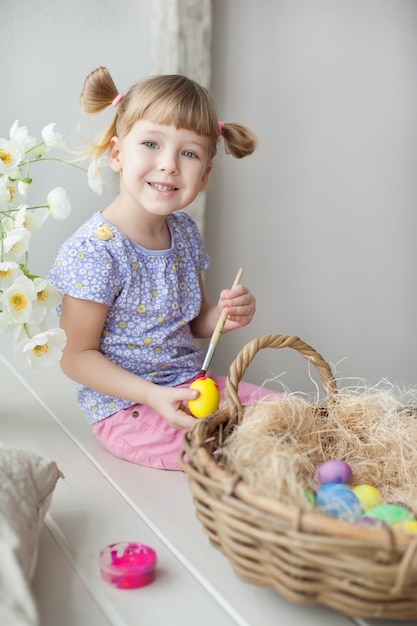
(86, 269)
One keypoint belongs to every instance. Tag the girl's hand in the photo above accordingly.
(240, 306)
(171, 403)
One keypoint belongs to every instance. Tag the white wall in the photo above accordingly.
(323, 215)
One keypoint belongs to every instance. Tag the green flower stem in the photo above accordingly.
(27, 331)
(7, 212)
(38, 145)
(26, 271)
(77, 167)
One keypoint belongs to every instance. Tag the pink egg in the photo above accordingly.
(332, 471)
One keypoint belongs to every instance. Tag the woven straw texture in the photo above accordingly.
(306, 556)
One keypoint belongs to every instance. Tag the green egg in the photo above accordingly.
(310, 496)
(390, 513)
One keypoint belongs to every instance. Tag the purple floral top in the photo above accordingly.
(152, 297)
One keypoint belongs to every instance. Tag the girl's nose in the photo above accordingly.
(168, 162)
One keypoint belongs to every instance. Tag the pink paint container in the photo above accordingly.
(128, 565)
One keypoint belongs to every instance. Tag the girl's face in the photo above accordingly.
(162, 168)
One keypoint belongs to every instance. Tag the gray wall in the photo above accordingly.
(322, 217)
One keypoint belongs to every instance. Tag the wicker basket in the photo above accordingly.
(306, 556)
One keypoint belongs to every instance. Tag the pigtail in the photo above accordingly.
(239, 140)
(98, 93)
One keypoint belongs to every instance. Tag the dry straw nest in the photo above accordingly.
(248, 468)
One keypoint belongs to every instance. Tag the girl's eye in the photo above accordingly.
(189, 154)
(150, 144)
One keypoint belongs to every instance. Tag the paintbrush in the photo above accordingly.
(217, 332)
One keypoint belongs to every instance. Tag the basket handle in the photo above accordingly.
(247, 354)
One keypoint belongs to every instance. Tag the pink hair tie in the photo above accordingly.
(221, 124)
(117, 99)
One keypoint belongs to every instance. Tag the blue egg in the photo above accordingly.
(338, 500)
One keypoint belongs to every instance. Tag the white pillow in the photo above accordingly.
(27, 482)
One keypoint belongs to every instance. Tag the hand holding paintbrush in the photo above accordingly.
(218, 330)
(209, 398)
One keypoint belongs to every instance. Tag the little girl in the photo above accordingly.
(132, 274)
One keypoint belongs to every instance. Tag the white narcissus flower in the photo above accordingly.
(51, 138)
(16, 244)
(11, 154)
(7, 224)
(23, 186)
(42, 350)
(32, 219)
(14, 189)
(95, 173)
(5, 192)
(38, 316)
(47, 295)
(58, 203)
(20, 135)
(18, 300)
(9, 271)
(26, 300)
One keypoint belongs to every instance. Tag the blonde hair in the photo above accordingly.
(165, 99)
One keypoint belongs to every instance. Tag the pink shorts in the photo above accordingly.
(140, 435)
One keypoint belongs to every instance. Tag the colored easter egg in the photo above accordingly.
(391, 513)
(368, 496)
(208, 399)
(332, 471)
(338, 500)
(370, 522)
(409, 526)
(310, 496)
(403, 504)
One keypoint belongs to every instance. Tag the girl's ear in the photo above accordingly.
(205, 179)
(114, 154)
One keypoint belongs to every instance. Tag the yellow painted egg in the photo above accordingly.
(368, 496)
(208, 400)
(409, 526)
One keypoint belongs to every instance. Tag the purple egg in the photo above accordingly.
(370, 522)
(332, 471)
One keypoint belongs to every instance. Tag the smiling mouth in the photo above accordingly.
(160, 187)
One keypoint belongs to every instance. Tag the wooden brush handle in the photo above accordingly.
(214, 340)
(222, 319)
